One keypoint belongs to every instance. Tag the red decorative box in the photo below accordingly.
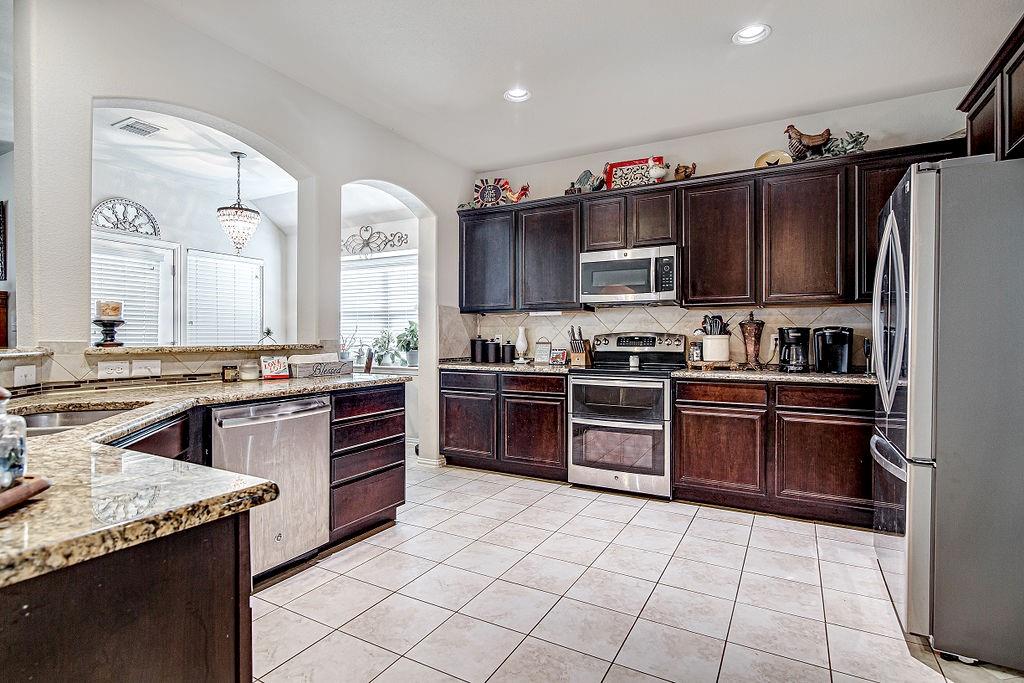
(630, 173)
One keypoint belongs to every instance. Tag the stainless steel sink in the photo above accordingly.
(59, 421)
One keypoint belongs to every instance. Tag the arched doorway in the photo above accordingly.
(387, 231)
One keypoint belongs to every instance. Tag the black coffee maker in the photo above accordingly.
(794, 353)
(832, 347)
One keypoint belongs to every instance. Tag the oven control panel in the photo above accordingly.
(639, 342)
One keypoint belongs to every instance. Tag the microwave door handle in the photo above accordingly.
(876, 314)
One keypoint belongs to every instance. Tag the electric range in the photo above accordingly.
(620, 412)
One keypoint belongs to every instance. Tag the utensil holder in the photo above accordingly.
(715, 347)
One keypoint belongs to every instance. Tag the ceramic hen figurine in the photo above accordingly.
(655, 170)
(802, 145)
(685, 172)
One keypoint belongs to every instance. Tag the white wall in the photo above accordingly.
(63, 69)
(7, 195)
(892, 123)
(188, 217)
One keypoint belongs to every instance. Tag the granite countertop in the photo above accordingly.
(504, 367)
(775, 376)
(104, 498)
(25, 353)
(151, 350)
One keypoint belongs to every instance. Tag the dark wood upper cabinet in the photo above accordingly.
(548, 247)
(719, 236)
(652, 219)
(803, 229)
(487, 262)
(604, 223)
(1013, 106)
(994, 104)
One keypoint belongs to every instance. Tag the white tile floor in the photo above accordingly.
(488, 577)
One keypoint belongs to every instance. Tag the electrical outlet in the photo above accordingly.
(146, 368)
(113, 369)
(24, 374)
(775, 340)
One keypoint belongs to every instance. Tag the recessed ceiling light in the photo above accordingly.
(754, 33)
(517, 94)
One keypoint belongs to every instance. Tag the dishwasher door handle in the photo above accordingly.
(305, 410)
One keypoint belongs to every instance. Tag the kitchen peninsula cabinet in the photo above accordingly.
(507, 422)
(719, 234)
(784, 448)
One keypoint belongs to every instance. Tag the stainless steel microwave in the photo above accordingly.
(646, 275)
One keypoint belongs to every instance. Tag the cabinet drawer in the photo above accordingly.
(363, 432)
(487, 381)
(715, 392)
(533, 384)
(358, 403)
(366, 502)
(358, 463)
(858, 397)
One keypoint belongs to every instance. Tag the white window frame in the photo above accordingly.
(224, 257)
(349, 258)
(174, 250)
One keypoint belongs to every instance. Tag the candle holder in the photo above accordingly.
(108, 328)
(752, 330)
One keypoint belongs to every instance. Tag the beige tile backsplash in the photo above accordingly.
(675, 320)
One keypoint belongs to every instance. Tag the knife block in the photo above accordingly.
(582, 359)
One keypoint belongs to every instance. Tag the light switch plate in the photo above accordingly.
(24, 374)
(113, 369)
(146, 368)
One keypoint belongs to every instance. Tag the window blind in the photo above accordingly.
(139, 276)
(378, 292)
(224, 299)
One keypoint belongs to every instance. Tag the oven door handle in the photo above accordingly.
(615, 424)
(620, 383)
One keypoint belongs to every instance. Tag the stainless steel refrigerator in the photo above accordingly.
(948, 448)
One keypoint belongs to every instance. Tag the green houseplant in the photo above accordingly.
(409, 343)
(384, 346)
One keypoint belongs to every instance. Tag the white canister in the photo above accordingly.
(716, 347)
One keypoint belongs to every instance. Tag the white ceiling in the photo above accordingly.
(193, 154)
(603, 73)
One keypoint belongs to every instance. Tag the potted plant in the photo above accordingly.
(409, 343)
(384, 347)
(347, 344)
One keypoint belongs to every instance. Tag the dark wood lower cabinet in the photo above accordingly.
(533, 432)
(507, 422)
(803, 453)
(720, 453)
(174, 608)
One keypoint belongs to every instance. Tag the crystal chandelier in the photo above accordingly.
(239, 222)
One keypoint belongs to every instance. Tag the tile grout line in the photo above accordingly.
(732, 614)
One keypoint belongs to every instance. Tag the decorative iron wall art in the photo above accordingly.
(124, 215)
(368, 241)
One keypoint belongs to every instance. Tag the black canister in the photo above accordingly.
(508, 353)
(476, 349)
(492, 352)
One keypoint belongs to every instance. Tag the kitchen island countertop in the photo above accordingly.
(104, 498)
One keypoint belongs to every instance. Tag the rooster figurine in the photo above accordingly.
(516, 197)
(802, 146)
(685, 172)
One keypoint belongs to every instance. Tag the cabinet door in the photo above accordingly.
(533, 431)
(487, 263)
(718, 243)
(803, 230)
(1013, 107)
(823, 458)
(549, 247)
(604, 223)
(720, 448)
(982, 123)
(652, 219)
(468, 424)
(171, 439)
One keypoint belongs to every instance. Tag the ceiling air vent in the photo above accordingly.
(137, 127)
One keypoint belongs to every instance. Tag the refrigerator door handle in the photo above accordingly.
(884, 462)
(893, 374)
(876, 313)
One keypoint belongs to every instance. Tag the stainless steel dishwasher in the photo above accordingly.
(287, 442)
